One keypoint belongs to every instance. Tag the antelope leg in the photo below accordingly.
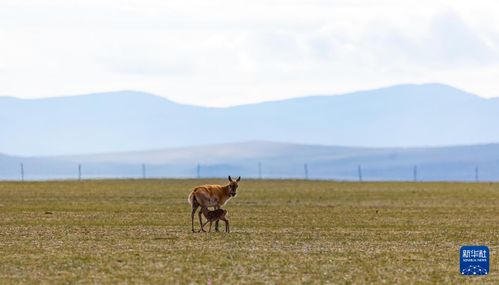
(194, 208)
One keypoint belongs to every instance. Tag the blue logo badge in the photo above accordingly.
(474, 260)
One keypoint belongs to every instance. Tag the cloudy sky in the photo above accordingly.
(220, 53)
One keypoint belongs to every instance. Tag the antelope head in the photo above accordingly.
(233, 186)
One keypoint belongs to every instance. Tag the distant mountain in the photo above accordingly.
(403, 115)
(276, 160)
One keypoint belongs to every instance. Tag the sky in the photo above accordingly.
(223, 53)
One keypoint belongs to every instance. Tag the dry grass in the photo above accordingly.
(283, 232)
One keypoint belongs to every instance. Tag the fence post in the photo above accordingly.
(476, 174)
(79, 172)
(359, 170)
(22, 172)
(415, 173)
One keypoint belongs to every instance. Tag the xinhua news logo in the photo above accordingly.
(474, 260)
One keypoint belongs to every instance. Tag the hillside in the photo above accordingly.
(277, 160)
(398, 116)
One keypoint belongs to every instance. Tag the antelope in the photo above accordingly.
(211, 196)
(215, 216)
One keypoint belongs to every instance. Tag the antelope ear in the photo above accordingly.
(230, 179)
(238, 179)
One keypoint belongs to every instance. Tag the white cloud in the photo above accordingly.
(233, 52)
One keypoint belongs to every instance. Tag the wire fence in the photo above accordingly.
(306, 171)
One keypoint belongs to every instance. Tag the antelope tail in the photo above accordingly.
(191, 199)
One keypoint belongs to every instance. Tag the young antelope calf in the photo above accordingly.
(213, 216)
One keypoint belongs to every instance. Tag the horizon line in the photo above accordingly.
(55, 97)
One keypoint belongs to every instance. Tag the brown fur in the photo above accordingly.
(211, 196)
(215, 216)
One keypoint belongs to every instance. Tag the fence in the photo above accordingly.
(260, 170)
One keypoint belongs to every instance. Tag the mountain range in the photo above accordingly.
(397, 116)
(421, 132)
(259, 159)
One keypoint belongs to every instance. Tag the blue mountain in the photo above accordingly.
(397, 116)
(270, 160)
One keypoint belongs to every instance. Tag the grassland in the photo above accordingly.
(138, 231)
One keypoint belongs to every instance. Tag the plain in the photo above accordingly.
(283, 231)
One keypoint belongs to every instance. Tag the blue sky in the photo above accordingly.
(220, 53)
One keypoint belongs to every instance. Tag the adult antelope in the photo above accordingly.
(211, 196)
